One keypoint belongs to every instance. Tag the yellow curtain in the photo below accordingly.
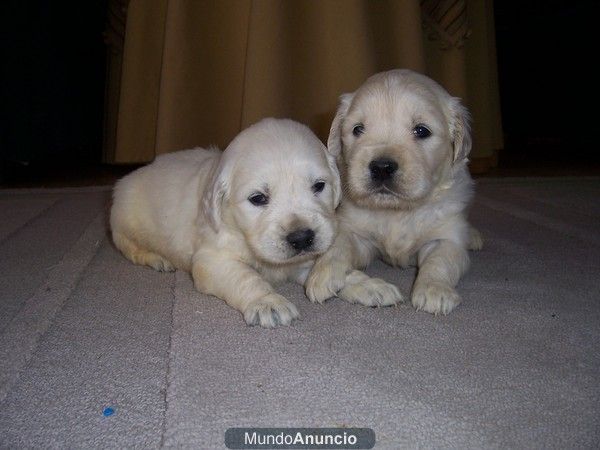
(196, 72)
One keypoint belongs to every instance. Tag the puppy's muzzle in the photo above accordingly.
(382, 170)
(301, 239)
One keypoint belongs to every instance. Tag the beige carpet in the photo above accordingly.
(517, 365)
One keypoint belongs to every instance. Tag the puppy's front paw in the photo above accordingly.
(475, 239)
(435, 298)
(155, 261)
(162, 265)
(371, 292)
(270, 311)
(324, 281)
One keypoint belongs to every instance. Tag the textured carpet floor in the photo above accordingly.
(517, 365)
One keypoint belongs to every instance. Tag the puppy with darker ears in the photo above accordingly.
(401, 143)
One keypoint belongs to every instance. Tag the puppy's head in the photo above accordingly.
(396, 138)
(279, 187)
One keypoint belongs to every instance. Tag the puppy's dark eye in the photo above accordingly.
(421, 131)
(358, 129)
(258, 199)
(318, 186)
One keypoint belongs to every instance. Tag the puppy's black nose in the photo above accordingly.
(382, 169)
(301, 239)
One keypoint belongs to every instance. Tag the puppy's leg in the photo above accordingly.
(329, 273)
(139, 256)
(441, 264)
(360, 288)
(475, 239)
(243, 289)
(333, 275)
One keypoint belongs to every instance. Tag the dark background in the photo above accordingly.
(545, 52)
(53, 75)
(52, 85)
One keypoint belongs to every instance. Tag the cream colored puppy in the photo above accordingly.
(257, 213)
(401, 143)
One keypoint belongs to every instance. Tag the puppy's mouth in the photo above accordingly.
(303, 255)
(383, 189)
(386, 181)
(384, 196)
(389, 189)
(295, 257)
(286, 254)
(311, 251)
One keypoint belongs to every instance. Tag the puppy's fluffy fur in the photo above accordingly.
(229, 217)
(401, 143)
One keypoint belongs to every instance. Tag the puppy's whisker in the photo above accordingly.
(389, 191)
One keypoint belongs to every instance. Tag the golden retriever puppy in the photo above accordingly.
(401, 143)
(260, 212)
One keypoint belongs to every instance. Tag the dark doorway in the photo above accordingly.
(52, 85)
(545, 49)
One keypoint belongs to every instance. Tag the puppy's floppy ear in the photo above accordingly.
(460, 129)
(215, 191)
(334, 141)
(336, 184)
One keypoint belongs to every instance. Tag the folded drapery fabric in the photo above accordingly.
(446, 21)
(197, 72)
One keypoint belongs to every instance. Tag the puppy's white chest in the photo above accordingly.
(295, 273)
(398, 240)
(398, 249)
